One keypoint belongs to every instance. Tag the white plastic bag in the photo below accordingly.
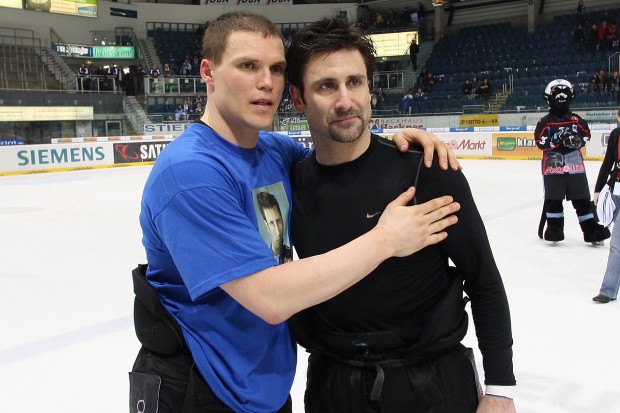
(605, 207)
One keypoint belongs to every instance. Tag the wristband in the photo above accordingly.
(507, 392)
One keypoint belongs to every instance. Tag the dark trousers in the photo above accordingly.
(567, 186)
(447, 384)
(181, 388)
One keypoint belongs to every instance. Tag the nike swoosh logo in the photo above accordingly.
(372, 215)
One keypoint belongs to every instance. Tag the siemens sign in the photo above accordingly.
(56, 156)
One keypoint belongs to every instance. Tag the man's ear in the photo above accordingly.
(297, 100)
(206, 71)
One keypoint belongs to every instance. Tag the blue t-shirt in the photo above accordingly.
(201, 229)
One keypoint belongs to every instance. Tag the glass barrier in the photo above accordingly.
(174, 85)
(388, 80)
(97, 83)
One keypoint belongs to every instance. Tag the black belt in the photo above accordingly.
(379, 362)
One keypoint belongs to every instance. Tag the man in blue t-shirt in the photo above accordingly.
(221, 342)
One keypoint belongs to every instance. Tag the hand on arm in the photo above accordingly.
(430, 143)
(495, 404)
(278, 292)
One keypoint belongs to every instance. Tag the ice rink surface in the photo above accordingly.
(70, 239)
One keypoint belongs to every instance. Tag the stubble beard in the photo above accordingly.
(346, 134)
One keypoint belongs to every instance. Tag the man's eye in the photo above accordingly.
(247, 65)
(277, 69)
(355, 83)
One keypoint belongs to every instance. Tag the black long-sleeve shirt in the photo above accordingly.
(335, 204)
(610, 163)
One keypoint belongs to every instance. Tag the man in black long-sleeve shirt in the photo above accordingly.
(391, 343)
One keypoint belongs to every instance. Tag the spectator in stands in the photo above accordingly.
(99, 83)
(138, 78)
(441, 46)
(199, 104)
(377, 98)
(612, 36)
(285, 105)
(485, 89)
(428, 82)
(186, 68)
(172, 62)
(112, 77)
(407, 102)
(599, 81)
(595, 82)
(196, 63)
(593, 38)
(579, 37)
(581, 10)
(180, 113)
(467, 88)
(363, 16)
(154, 72)
(140, 70)
(188, 106)
(378, 20)
(83, 77)
(602, 35)
(419, 100)
(168, 70)
(475, 85)
(422, 74)
(414, 49)
(122, 79)
(613, 86)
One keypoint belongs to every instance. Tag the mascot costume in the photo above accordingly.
(561, 134)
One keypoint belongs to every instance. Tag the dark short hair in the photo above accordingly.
(327, 35)
(265, 201)
(217, 32)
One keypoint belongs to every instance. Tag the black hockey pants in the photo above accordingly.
(446, 384)
(164, 378)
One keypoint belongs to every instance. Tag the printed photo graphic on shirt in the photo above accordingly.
(558, 164)
(272, 214)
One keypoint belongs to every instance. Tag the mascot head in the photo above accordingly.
(558, 94)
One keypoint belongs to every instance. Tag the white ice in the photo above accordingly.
(70, 239)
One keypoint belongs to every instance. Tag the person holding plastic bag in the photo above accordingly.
(609, 174)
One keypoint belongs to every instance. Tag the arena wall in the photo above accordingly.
(118, 151)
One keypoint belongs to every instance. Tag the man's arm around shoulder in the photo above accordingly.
(278, 292)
